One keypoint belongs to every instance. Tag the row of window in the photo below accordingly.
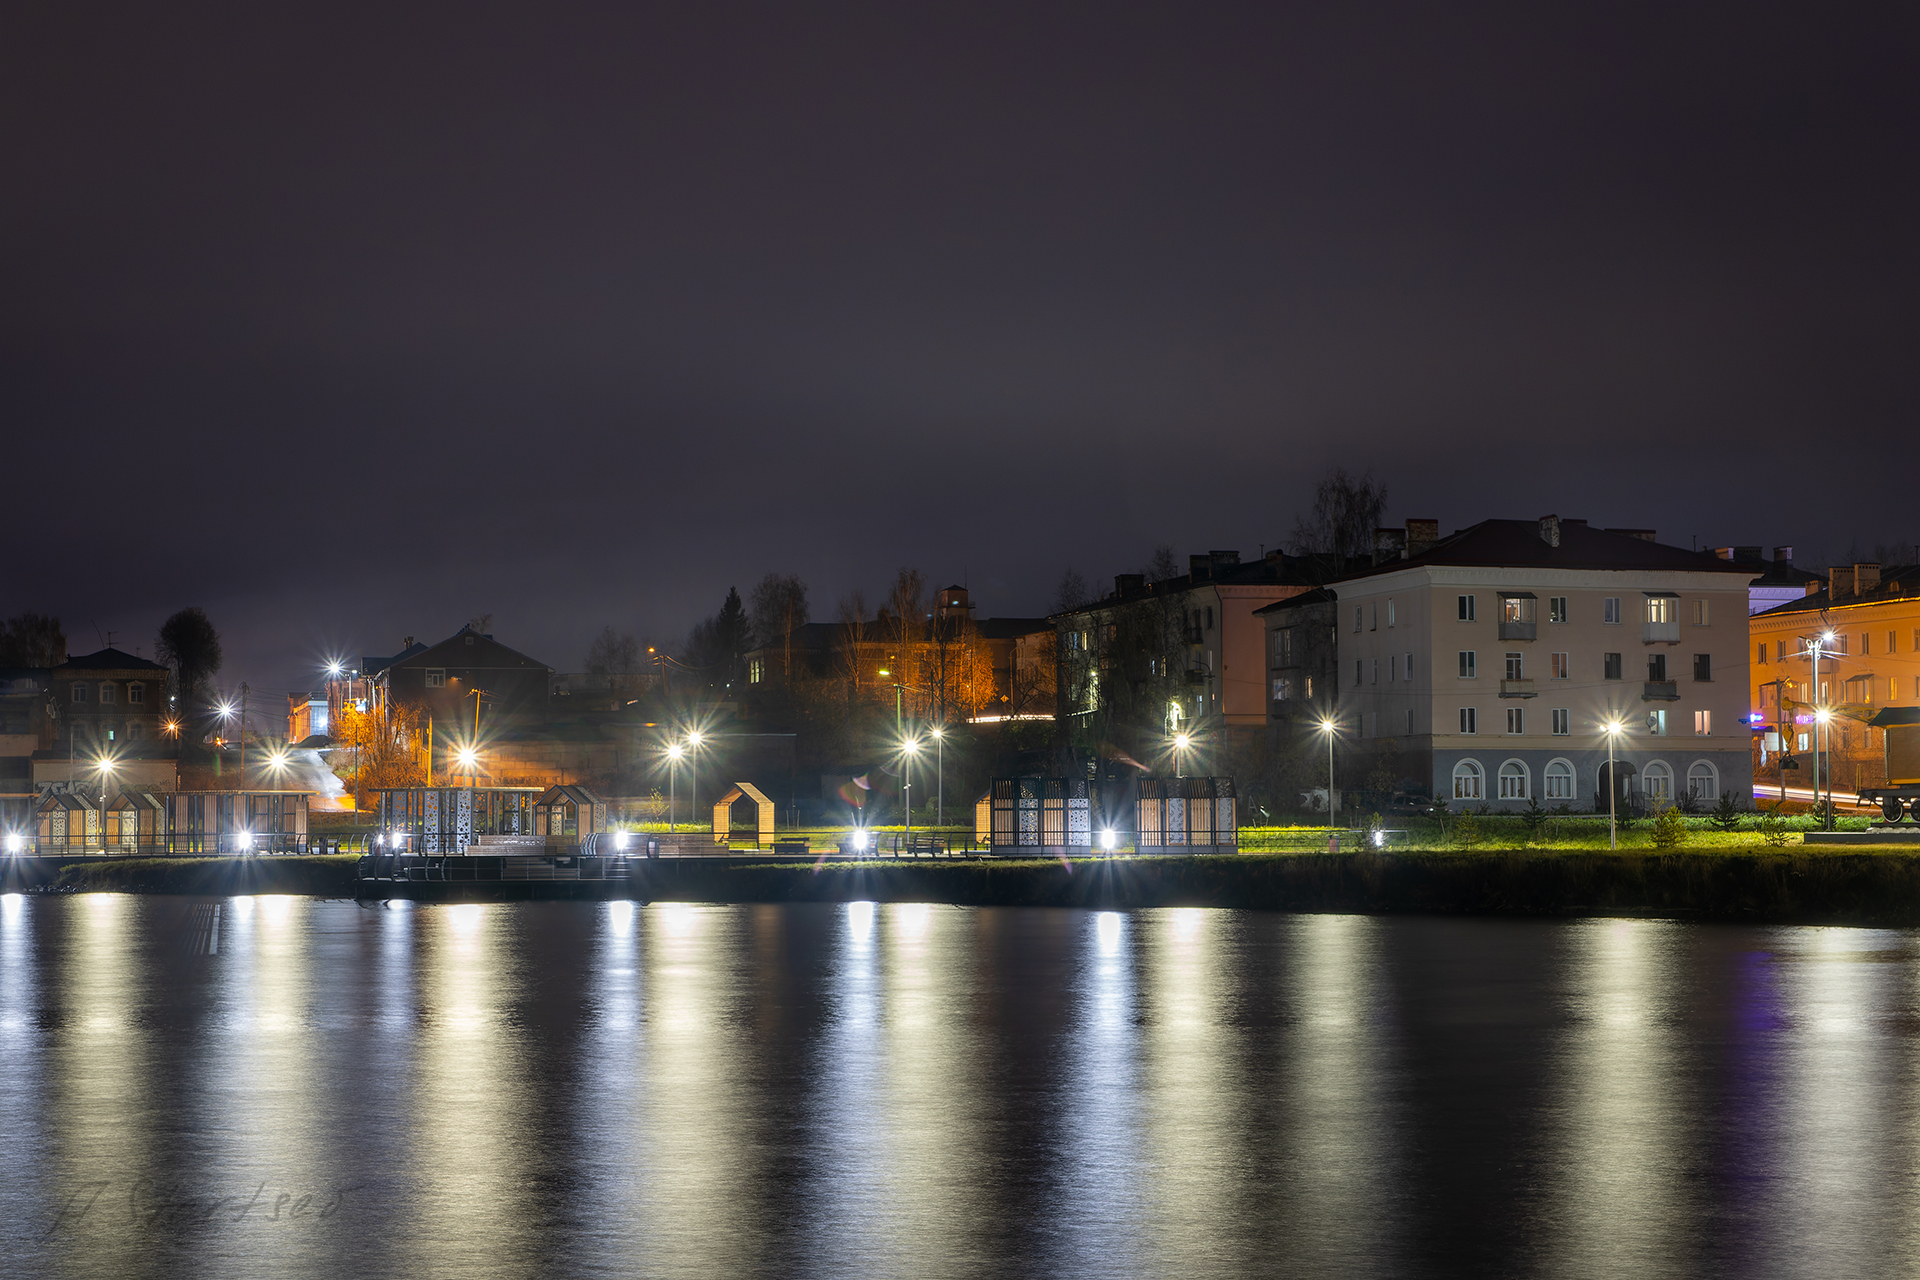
(1802, 646)
(1861, 689)
(1515, 781)
(1612, 665)
(1518, 607)
(1561, 720)
(109, 692)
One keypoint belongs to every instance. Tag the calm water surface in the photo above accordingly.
(268, 1086)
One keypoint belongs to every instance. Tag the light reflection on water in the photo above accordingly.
(279, 1086)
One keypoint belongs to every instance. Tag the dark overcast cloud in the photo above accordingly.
(350, 324)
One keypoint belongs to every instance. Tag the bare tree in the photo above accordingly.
(189, 644)
(1162, 564)
(779, 608)
(1345, 513)
(1071, 592)
(614, 657)
(32, 640)
(852, 641)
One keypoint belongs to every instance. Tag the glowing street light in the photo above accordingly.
(1329, 726)
(1612, 729)
(674, 752)
(1107, 841)
(1181, 742)
(939, 733)
(909, 748)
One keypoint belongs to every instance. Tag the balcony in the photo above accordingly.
(1660, 633)
(1517, 688)
(1660, 691)
(1519, 630)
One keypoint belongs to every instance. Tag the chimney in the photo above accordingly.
(1550, 530)
(1389, 544)
(1783, 556)
(1126, 585)
(406, 643)
(1722, 553)
(1199, 568)
(1840, 581)
(1866, 577)
(1421, 535)
(1224, 559)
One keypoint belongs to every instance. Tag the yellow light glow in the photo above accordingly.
(1181, 740)
(676, 751)
(938, 732)
(911, 746)
(694, 738)
(467, 758)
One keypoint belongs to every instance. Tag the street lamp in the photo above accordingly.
(106, 769)
(674, 752)
(1822, 719)
(909, 748)
(1612, 729)
(694, 739)
(1329, 726)
(1180, 743)
(940, 775)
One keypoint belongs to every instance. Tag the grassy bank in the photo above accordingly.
(327, 875)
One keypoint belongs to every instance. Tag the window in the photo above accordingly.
(1373, 618)
(436, 677)
(1515, 667)
(1562, 722)
(1283, 646)
(1466, 780)
(1390, 613)
(1466, 608)
(756, 671)
(1610, 663)
(1468, 671)
(107, 692)
(133, 731)
(1703, 724)
(1516, 608)
(1409, 667)
(1703, 781)
(1309, 692)
(1282, 688)
(136, 692)
(1657, 723)
(1656, 666)
(1699, 613)
(1393, 667)
(1803, 742)
(1209, 617)
(1891, 647)
(1359, 617)
(1409, 719)
(79, 693)
(1513, 781)
(1516, 720)
(1916, 639)
(1659, 780)
(1866, 644)
(1469, 720)
(1376, 672)
(1556, 608)
(1611, 610)
(1761, 656)
(1357, 678)
(1559, 777)
(1703, 666)
(1560, 666)
(1660, 609)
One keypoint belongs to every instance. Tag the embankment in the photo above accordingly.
(1879, 888)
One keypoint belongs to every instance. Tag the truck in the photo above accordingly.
(1902, 737)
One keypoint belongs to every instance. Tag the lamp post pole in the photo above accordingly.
(1613, 790)
(1333, 803)
(940, 776)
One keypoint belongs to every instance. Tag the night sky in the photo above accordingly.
(351, 324)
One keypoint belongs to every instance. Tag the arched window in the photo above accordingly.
(1467, 776)
(1513, 781)
(1658, 780)
(1559, 776)
(1703, 781)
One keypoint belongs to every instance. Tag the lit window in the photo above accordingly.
(1466, 780)
(1469, 720)
(1513, 781)
(1703, 724)
(1699, 613)
(1559, 777)
(1562, 721)
(1282, 688)
(1556, 608)
(1660, 609)
(1516, 609)
(1657, 723)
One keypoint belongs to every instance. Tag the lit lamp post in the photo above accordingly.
(1612, 729)
(1822, 719)
(940, 775)
(1180, 744)
(693, 776)
(674, 752)
(106, 771)
(909, 748)
(1329, 726)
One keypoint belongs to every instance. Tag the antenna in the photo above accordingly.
(96, 633)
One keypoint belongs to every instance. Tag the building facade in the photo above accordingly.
(1867, 625)
(1487, 669)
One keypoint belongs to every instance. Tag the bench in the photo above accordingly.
(791, 846)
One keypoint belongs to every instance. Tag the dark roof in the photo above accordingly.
(1319, 595)
(110, 660)
(413, 656)
(371, 665)
(1517, 544)
(1901, 583)
(1276, 569)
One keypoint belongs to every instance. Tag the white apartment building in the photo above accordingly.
(1491, 662)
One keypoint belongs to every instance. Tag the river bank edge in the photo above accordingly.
(1880, 888)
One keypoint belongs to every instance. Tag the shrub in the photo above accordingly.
(1669, 829)
(1534, 816)
(1466, 830)
(1725, 815)
(1773, 826)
